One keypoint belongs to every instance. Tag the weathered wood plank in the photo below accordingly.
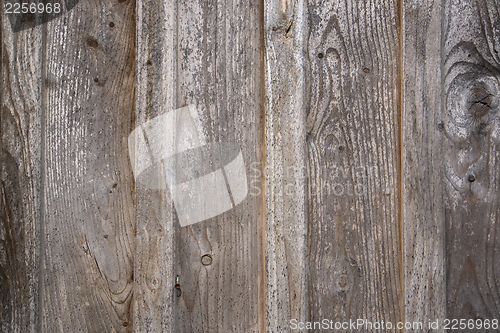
(207, 54)
(21, 105)
(89, 216)
(220, 70)
(471, 102)
(156, 235)
(285, 171)
(353, 161)
(423, 212)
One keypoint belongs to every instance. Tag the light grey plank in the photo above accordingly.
(423, 193)
(285, 173)
(156, 235)
(220, 70)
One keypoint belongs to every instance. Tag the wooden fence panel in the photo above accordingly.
(207, 54)
(423, 211)
(21, 114)
(471, 73)
(353, 161)
(155, 232)
(286, 224)
(88, 184)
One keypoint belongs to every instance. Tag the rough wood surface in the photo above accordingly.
(286, 228)
(422, 162)
(88, 65)
(206, 53)
(353, 170)
(21, 105)
(370, 135)
(156, 234)
(471, 86)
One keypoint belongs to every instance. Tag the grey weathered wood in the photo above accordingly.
(21, 105)
(354, 247)
(156, 234)
(88, 219)
(206, 53)
(423, 211)
(471, 102)
(286, 210)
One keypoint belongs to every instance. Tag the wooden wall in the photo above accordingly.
(370, 133)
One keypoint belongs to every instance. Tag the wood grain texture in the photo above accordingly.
(354, 247)
(206, 53)
(423, 212)
(471, 86)
(21, 104)
(88, 183)
(156, 235)
(285, 170)
(220, 70)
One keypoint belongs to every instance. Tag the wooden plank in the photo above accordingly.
(88, 213)
(471, 156)
(353, 162)
(285, 171)
(422, 162)
(156, 235)
(21, 105)
(207, 54)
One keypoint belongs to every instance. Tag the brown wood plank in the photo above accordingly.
(207, 54)
(471, 102)
(285, 171)
(21, 105)
(89, 216)
(353, 161)
(422, 163)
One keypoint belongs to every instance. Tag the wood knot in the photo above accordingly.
(472, 101)
(155, 283)
(479, 102)
(206, 260)
(92, 42)
(343, 282)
